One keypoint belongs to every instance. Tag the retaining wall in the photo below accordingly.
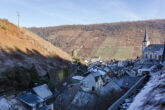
(115, 105)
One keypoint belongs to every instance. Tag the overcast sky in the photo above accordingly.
(61, 12)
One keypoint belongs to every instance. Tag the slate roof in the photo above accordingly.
(146, 66)
(145, 37)
(155, 48)
(129, 81)
(5, 104)
(108, 87)
(42, 91)
(81, 99)
(30, 99)
(88, 82)
(95, 74)
(102, 72)
(78, 77)
(126, 81)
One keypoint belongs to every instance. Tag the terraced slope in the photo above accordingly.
(121, 40)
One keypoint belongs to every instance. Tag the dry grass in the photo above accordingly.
(19, 38)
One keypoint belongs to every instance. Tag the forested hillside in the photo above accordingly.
(122, 40)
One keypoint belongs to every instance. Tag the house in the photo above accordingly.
(126, 81)
(99, 82)
(120, 64)
(62, 101)
(77, 79)
(92, 82)
(31, 101)
(73, 89)
(44, 92)
(145, 69)
(106, 69)
(82, 99)
(109, 87)
(99, 72)
(131, 72)
(102, 72)
(152, 51)
(111, 74)
(88, 83)
(17, 104)
(5, 104)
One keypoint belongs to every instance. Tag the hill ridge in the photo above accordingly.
(122, 40)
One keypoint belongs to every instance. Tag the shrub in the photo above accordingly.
(43, 80)
(61, 75)
(66, 72)
(78, 59)
(33, 73)
(22, 31)
(51, 85)
(19, 78)
(4, 27)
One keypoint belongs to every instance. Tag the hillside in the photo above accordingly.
(151, 97)
(121, 40)
(23, 48)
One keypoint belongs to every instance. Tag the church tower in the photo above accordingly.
(146, 41)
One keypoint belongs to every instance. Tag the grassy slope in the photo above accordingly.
(121, 40)
(21, 47)
(16, 38)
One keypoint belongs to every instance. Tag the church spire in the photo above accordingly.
(145, 37)
(146, 41)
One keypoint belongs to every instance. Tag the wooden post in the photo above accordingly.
(18, 18)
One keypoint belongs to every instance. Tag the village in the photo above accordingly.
(102, 80)
(81, 91)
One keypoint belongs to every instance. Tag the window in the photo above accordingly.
(160, 57)
(40, 105)
(93, 88)
(150, 56)
(146, 55)
(155, 56)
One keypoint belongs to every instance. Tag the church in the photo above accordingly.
(152, 51)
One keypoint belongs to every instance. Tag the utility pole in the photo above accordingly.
(18, 18)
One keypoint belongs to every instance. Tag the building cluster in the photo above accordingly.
(80, 91)
(39, 98)
(103, 77)
(153, 60)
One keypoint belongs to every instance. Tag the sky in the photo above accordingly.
(41, 13)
